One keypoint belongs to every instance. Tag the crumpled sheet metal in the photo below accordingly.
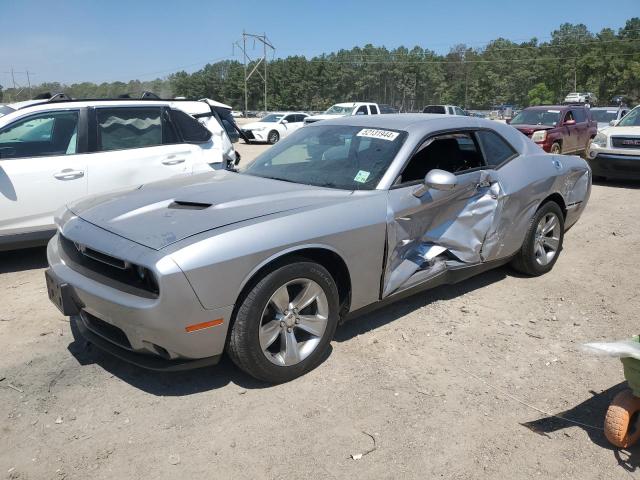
(464, 225)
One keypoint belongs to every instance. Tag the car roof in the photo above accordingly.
(548, 107)
(189, 106)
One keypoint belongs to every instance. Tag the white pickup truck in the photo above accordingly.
(345, 110)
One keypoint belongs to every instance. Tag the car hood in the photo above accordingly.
(324, 116)
(529, 129)
(632, 131)
(254, 125)
(161, 213)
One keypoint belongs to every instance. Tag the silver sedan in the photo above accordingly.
(341, 216)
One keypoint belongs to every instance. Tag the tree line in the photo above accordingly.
(606, 63)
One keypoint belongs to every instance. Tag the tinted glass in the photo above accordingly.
(374, 109)
(45, 134)
(290, 118)
(537, 116)
(192, 130)
(123, 128)
(455, 153)
(604, 116)
(434, 109)
(496, 149)
(362, 110)
(335, 156)
(579, 115)
(631, 119)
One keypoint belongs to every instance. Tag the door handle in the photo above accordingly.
(68, 174)
(174, 161)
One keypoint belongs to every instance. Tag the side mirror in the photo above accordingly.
(284, 122)
(569, 122)
(613, 123)
(437, 179)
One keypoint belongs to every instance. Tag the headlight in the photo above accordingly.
(259, 129)
(539, 136)
(600, 140)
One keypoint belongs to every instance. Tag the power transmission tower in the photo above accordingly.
(18, 86)
(247, 59)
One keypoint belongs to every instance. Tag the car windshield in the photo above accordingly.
(272, 118)
(335, 156)
(339, 110)
(604, 116)
(631, 119)
(537, 117)
(5, 110)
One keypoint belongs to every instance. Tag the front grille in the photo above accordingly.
(248, 134)
(105, 330)
(109, 270)
(626, 142)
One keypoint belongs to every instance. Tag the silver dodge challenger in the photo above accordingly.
(339, 217)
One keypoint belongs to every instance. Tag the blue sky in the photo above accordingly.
(117, 40)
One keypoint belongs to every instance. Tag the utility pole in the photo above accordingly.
(247, 59)
(29, 83)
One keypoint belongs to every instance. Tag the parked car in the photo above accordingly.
(345, 110)
(580, 97)
(335, 219)
(615, 151)
(444, 110)
(557, 128)
(54, 152)
(605, 116)
(273, 127)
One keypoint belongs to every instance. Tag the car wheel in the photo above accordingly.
(543, 241)
(621, 425)
(273, 137)
(556, 149)
(285, 322)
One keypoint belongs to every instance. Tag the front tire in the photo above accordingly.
(285, 322)
(543, 241)
(556, 148)
(273, 137)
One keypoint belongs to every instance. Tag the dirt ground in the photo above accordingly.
(455, 383)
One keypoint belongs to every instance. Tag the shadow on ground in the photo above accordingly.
(165, 384)
(20, 260)
(630, 184)
(591, 412)
(370, 321)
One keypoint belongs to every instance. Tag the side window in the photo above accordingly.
(290, 118)
(496, 150)
(45, 134)
(362, 110)
(299, 118)
(451, 111)
(453, 152)
(459, 111)
(374, 109)
(192, 130)
(126, 127)
(579, 115)
(569, 116)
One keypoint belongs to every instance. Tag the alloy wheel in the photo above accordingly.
(293, 322)
(547, 239)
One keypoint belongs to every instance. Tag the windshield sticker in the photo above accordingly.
(375, 133)
(362, 175)
(553, 111)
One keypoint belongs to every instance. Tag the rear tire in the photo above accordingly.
(543, 241)
(556, 148)
(270, 339)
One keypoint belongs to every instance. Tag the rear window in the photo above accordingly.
(434, 109)
(192, 130)
(124, 128)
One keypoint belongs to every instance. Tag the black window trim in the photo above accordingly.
(472, 131)
(484, 155)
(81, 138)
(178, 130)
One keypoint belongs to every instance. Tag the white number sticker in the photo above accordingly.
(375, 133)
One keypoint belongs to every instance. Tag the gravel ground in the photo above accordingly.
(458, 382)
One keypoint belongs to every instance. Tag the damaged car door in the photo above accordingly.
(441, 211)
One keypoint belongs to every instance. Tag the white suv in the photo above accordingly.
(54, 152)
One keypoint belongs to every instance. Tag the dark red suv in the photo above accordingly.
(558, 128)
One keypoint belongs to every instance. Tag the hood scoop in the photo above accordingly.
(185, 205)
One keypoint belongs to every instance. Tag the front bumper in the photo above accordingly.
(256, 135)
(617, 166)
(150, 331)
